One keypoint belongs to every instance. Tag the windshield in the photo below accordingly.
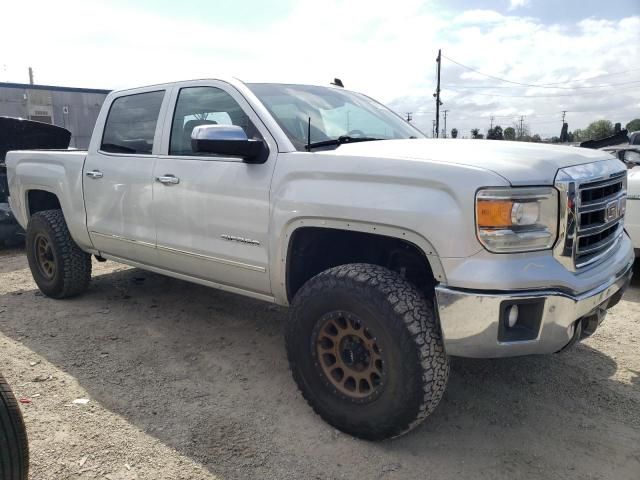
(334, 114)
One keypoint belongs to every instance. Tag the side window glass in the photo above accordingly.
(204, 106)
(131, 123)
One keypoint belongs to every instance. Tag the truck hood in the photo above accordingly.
(519, 163)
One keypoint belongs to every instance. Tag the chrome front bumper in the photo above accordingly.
(470, 320)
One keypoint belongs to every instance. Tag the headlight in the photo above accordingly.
(517, 219)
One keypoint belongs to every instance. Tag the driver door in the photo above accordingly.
(212, 212)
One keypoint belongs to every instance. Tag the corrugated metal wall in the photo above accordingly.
(73, 109)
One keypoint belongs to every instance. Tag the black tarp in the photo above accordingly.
(615, 139)
(20, 134)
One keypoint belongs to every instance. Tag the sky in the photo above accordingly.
(585, 53)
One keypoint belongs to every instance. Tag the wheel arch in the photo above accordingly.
(40, 199)
(34, 198)
(373, 237)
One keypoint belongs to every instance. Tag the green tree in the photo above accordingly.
(475, 132)
(454, 133)
(599, 129)
(495, 133)
(509, 133)
(536, 138)
(579, 135)
(633, 125)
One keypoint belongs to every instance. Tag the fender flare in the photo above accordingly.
(279, 270)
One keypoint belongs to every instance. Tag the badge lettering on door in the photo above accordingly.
(233, 238)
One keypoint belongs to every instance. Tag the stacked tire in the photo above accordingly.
(14, 449)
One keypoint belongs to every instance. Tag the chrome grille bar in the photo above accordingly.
(592, 204)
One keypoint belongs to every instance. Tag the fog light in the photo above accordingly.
(512, 316)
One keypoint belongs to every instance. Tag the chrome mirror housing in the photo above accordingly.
(228, 140)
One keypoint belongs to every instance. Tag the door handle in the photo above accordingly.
(94, 174)
(168, 179)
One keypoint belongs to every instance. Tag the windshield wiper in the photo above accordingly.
(339, 141)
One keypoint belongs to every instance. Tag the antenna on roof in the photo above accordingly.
(337, 82)
(308, 147)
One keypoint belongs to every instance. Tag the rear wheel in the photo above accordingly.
(59, 267)
(14, 449)
(366, 351)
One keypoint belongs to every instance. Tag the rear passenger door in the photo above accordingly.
(212, 216)
(118, 176)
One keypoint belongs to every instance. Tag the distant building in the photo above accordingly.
(75, 109)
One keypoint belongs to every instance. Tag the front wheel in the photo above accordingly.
(365, 350)
(59, 267)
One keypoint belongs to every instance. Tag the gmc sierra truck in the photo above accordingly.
(392, 250)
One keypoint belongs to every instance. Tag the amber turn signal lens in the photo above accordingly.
(494, 213)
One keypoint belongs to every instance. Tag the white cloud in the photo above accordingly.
(374, 46)
(513, 4)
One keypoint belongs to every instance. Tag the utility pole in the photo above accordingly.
(409, 117)
(564, 132)
(521, 126)
(445, 123)
(437, 94)
(491, 127)
(433, 129)
(30, 76)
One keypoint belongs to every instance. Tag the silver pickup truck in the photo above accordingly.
(392, 250)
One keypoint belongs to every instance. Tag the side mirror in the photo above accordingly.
(631, 157)
(228, 140)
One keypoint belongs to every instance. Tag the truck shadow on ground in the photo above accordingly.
(633, 294)
(205, 372)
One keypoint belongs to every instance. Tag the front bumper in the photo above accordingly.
(473, 322)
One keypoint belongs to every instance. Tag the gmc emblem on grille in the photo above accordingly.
(611, 212)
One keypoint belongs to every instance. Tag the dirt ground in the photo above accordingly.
(186, 382)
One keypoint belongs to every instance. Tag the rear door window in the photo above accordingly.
(131, 123)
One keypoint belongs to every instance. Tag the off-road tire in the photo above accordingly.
(406, 327)
(14, 448)
(72, 265)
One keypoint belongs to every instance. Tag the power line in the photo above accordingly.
(454, 86)
(542, 85)
(548, 96)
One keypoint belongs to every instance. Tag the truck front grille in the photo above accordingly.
(592, 207)
(601, 218)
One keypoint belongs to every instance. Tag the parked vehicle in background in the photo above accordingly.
(393, 251)
(632, 221)
(15, 134)
(14, 447)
